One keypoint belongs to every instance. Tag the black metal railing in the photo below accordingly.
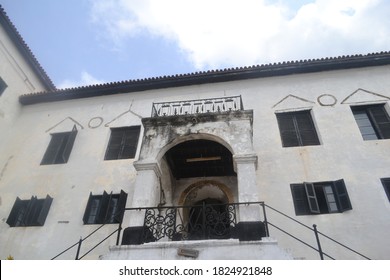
(206, 221)
(198, 106)
(209, 221)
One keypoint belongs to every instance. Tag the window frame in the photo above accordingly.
(380, 128)
(105, 213)
(60, 146)
(118, 151)
(32, 212)
(297, 128)
(311, 198)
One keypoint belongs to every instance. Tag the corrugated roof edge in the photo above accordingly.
(212, 76)
(25, 50)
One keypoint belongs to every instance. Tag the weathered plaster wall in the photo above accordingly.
(342, 154)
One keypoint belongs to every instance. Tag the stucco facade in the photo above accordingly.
(264, 169)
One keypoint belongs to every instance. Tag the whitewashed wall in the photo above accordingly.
(342, 155)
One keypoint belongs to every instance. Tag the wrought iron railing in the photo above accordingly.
(217, 221)
(198, 106)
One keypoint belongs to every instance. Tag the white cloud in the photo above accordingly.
(219, 33)
(85, 80)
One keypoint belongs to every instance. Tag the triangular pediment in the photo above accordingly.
(124, 118)
(292, 102)
(66, 124)
(362, 96)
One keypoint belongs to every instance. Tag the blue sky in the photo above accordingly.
(81, 42)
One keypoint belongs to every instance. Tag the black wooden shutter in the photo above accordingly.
(287, 129)
(381, 120)
(44, 210)
(121, 207)
(114, 145)
(103, 209)
(69, 145)
(13, 215)
(29, 216)
(300, 199)
(342, 196)
(312, 198)
(386, 185)
(87, 209)
(52, 150)
(306, 129)
(130, 142)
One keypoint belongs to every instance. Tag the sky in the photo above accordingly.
(84, 42)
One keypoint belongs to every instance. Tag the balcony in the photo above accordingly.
(198, 106)
(197, 222)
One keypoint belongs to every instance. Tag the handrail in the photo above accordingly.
(315, 231)
(265, 221)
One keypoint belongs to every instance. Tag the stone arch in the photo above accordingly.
(194, 136)
(189, 195)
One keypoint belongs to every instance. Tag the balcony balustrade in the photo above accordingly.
(198, 106)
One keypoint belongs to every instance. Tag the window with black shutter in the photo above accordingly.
(373, 121)
(123, 143)
(32, 212)
(320, 198)
(3, 86)
(297, 129)
(386, 185)
(59, 148)
(105, 208)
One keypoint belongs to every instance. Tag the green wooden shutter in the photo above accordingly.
(103, 209)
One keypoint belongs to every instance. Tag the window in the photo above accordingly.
(320, 198)
(59, 148)
(123, 143)
(386, 185)
(3, 86)
(373, 121)
(105, 209)
(31, 212)
(297, 129)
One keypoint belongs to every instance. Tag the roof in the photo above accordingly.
(25, 50)
(212, 76)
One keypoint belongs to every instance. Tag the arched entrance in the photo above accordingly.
(206, 210)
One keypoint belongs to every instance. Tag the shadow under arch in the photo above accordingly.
(193, 136)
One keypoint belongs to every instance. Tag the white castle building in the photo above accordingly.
(226, 164)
